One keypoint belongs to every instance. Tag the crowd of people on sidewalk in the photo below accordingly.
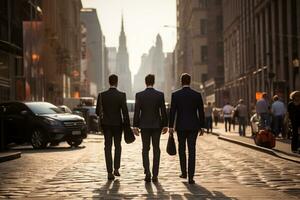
(282, 120)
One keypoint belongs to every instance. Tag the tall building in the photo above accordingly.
(17, 48)
(199, 43)
(123, 70)
(261, 48)
(169, 79)
(152, 63)
(112, 59)
(62, 48)
(93, 76)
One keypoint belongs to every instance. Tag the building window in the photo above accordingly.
(203, 26)
(202, 3)
(218, 2)
(204, 54)
(220, 49)
(219, 24)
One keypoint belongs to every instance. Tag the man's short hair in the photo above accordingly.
(185, 79)
(264, 95)
(149, 79)
(113, 79)
(275, 98)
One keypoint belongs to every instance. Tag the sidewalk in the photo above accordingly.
(282, 148)
(6, 156)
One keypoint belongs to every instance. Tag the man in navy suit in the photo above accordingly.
(187, 108)
(113, 113)
(151, 117)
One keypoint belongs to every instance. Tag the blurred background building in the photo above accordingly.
(261, 48)
(122, 62)
(199, 49)
(93, 68)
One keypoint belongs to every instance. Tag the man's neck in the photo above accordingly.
(113, 86)
(184, 86)
(149, 86)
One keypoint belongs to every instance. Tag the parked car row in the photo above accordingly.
(40, 123)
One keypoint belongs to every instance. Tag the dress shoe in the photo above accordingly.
(110, 176)
(147, 178)
(116, 172)
(154, 179)
(183, 176)
(191, 181)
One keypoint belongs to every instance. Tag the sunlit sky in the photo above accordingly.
(143, 20)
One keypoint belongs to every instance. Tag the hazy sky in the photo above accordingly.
(143, 20)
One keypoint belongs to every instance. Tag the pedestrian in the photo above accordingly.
(208, 117)
(216, 115)
(262, 109)
(278, 111)
(227, 113)
(187, 108)
(241, 110)
(111, 108)
(150, 116)
(294, 116)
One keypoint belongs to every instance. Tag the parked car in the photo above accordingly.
(90, 116)
(41, 123)
(65, 109)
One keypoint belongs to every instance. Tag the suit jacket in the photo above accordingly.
(112, 108)
(187, 107)
(150, 110)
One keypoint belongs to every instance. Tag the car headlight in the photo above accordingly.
(52, 122)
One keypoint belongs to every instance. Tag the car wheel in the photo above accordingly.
(74, 142)
(38, 140)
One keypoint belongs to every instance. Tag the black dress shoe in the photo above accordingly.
(147, 178)
(154, 179)
(183, 176)
(191, 181)
(110, 176)
(116, 172)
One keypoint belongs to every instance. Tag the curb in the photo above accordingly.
(9, 156)
(258, 148)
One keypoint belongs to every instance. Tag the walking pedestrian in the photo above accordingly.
(294, 116)
(113, 113)
(262, 109)
(278, 111)
(150, 116)
(187, 108)
(208, 117)
(227, 113)
(242, 115)
(216, 115)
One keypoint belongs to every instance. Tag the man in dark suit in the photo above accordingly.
(113, 113)
(187, 106)
(151, 117)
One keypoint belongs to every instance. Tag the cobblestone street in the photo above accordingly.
(224, 171)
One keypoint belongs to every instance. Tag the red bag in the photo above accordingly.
(265, 138)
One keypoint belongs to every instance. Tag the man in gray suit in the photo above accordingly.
(151, 117)
(113, 113)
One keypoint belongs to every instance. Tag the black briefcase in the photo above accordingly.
(171, 147)
(128, 135)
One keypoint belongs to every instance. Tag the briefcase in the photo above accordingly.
(128, 135)
(171, 147)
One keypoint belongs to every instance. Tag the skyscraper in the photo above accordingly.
(123, 70)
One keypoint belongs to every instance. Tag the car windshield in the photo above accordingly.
(40, 108)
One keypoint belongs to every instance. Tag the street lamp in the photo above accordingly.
(296, 65)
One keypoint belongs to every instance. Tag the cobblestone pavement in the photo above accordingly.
(224, 171)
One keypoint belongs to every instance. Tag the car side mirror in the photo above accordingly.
(24, 112)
